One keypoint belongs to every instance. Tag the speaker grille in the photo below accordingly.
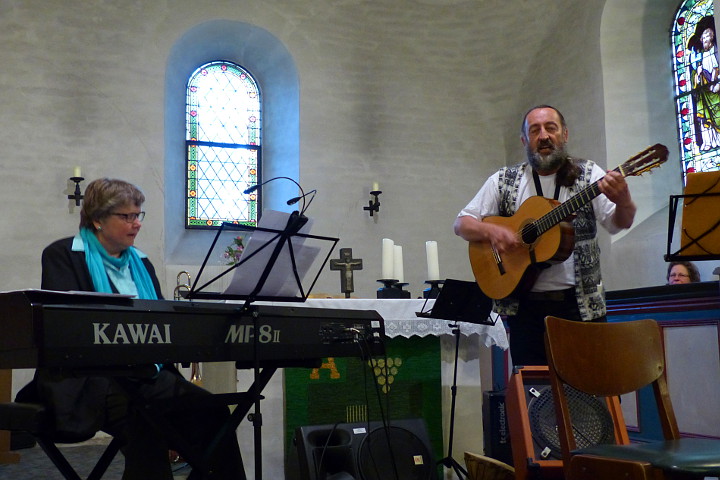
(361, 451)
(394, 452)
(591, 421)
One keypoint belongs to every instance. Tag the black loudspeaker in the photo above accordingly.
(533, 424)
(529, 459)
(362, 451)
(496, 430)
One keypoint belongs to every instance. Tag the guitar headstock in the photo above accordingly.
(651, 157)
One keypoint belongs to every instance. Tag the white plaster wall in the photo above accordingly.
(424, 97)
(635, 52)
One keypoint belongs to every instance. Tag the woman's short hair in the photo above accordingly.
(103, 195)
(691, 268)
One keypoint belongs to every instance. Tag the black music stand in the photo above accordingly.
(459, 301)
(284, 242)
(279, 242)
(700, 228)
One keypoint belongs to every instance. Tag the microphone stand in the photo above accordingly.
(296, 221)
(449, 461)
(262, 376)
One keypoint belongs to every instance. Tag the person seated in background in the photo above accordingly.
(102, 258)
(682, 272)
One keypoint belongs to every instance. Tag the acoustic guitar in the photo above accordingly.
(546, 235)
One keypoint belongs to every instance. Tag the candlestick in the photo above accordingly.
(398, 264)
(387, 258)
(433, 265)
(392, 289)
(374, 204)
(434, 290)
(77, 194)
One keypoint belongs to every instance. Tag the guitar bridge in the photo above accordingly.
(498, 261)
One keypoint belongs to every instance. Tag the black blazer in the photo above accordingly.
(63, 269)
(77, 403)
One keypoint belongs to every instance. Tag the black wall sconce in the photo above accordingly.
(77, 195)
(374, 203)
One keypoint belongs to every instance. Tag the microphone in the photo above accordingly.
(294, 200)
(258, 185)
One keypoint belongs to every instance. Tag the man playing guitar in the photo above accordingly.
(564, 283)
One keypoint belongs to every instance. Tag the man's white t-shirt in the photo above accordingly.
(486, 203)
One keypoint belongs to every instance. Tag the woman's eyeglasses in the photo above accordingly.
(130, 217)
(678, 275)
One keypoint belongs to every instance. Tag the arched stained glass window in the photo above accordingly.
(697, 91)
(223, 140)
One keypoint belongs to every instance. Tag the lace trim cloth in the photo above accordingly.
(401, 320)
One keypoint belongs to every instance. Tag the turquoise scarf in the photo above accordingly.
(94, 255)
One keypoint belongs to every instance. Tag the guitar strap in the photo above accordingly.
(538, 187)
(539, 191)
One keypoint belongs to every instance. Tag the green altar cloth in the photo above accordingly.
(404, 384)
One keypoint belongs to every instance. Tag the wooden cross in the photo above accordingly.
(346, 264)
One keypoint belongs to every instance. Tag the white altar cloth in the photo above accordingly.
(401, 320)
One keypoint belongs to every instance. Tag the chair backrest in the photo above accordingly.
(480, 467)
(606, 359)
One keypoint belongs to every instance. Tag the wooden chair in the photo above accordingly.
(480, 467)
(609, 360)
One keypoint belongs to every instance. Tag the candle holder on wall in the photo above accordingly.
(77, 195)
(374, 203)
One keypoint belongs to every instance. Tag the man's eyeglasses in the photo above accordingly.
(130, 217)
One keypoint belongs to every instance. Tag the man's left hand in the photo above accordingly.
(615, 188)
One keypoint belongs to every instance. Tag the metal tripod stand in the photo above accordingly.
(449, 461)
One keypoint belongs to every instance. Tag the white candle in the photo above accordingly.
(375, 187)
(77, 172)
(387, 259)
(433, 265)
(398, 264)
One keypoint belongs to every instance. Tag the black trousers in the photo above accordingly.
(527, 328)
(146, 447)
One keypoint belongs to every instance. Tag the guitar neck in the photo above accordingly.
(572, 205)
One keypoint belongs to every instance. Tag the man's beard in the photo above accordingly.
(547, 163)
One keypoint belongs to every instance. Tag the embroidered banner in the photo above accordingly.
(405, 384)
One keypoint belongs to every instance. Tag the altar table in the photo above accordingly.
(401, 322)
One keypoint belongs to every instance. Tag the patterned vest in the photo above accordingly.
(588, 281)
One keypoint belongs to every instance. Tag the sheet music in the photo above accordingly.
(281, 281)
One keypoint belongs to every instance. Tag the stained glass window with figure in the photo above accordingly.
(697, 90)
(223, 145)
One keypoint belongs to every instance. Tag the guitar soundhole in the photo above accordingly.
(529, 234)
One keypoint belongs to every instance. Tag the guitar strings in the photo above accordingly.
(556, 215)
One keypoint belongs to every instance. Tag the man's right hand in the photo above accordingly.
(473, 230)
(501, 238)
